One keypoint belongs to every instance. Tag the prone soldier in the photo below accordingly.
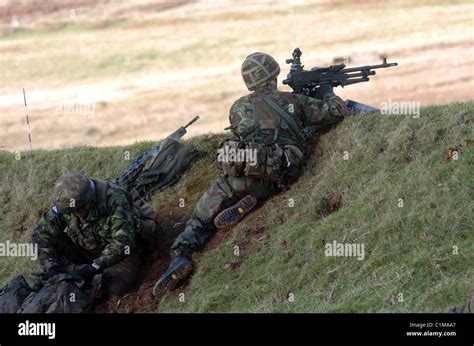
(278, 126)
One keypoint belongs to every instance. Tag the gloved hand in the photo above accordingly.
(55, 270)
(86, 272)
(337, 107)
(323, 90)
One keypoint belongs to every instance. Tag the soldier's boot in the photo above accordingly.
(233, 215)
(179, 269)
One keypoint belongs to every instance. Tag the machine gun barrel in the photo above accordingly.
(308, 82)
(360, 74)
(354, 81)
(319, 81)
(370, 67)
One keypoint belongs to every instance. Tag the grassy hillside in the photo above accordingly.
(410, 263)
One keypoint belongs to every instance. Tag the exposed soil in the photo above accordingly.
(232, 265)
(157, 258)
(155, 262)
(329, 204)
(318, 150)
(251, 239)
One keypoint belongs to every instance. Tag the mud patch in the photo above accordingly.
(218, 238)
(252, 239)
(155, 263)
(232, 265)
(329, 204)
(317, 150)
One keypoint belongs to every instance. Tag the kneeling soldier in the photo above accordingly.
(92, 222)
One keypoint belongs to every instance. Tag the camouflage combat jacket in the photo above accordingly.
(308, 112)
(107, 235)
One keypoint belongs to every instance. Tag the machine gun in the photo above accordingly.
(145, 160)
(320, 80)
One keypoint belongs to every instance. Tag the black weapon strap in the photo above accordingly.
(101, 195)
(287, 118)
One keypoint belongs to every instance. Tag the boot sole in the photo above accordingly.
(169, 283)
(233, 215)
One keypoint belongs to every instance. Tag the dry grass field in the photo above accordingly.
(108, 73)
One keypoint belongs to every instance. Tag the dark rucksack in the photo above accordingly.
(157, 169)
(38, 293)
(14, 293)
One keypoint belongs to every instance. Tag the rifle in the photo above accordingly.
(320, 80)
(147, 157)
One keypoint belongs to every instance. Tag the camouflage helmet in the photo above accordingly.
(259, 68)
(72, 191)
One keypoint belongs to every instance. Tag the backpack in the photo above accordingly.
(38, 293)
(14, 293)
(157, 169)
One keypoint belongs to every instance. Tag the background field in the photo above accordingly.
(147, 66)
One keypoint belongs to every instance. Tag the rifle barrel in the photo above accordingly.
(368, 67)
(196, 118)
(361, 74)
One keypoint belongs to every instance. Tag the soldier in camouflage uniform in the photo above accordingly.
(257, 122)
(91, 222)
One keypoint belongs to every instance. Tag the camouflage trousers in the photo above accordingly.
(116, 280)
(223, 193)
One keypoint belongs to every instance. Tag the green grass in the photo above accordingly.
(408, 251)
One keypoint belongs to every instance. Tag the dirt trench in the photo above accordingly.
(155, 261)
(157, 258)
